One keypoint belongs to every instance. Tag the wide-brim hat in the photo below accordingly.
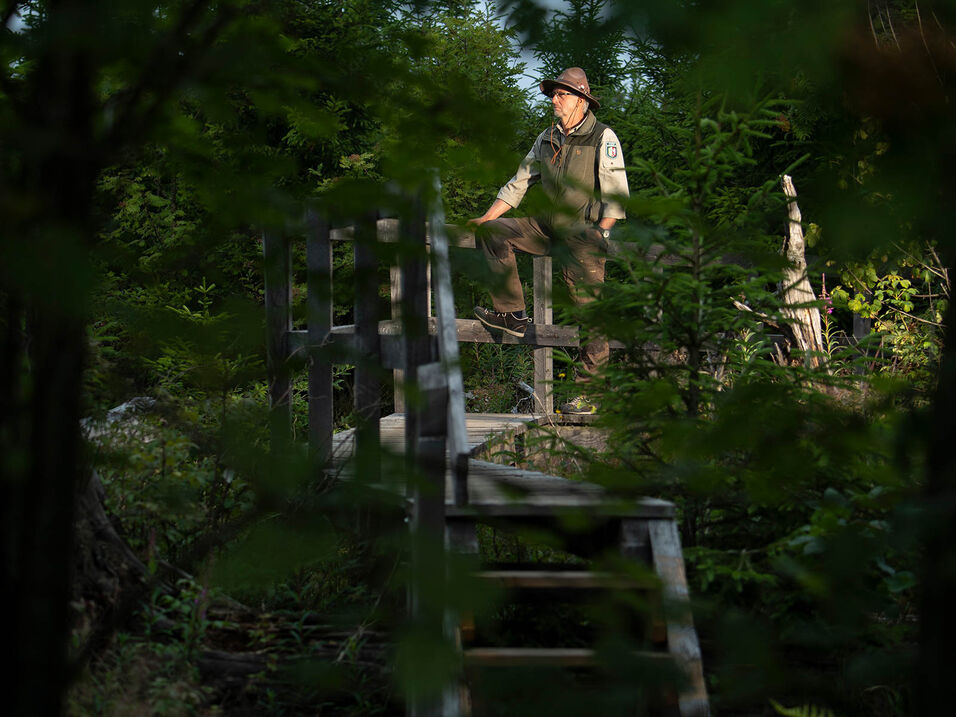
(573, 79)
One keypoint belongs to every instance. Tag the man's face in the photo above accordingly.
(567, 106)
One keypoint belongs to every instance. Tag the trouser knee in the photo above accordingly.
(494, 241)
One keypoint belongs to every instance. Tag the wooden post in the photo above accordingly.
(797, 293)
(278, 301)
(319, 286)
(448, 348)
(543, 312)
(388, 232)
(682, 641)
(414, 310)
(427, 595)
(367, 383)
(426, 426)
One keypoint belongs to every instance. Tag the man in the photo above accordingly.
(581, 167)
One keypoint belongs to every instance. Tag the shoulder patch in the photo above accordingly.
(610, 149)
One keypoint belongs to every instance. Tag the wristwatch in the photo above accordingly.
(606, 233)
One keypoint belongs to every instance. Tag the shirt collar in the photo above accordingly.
(576, 127)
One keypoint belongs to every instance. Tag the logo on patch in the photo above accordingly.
(610, 149)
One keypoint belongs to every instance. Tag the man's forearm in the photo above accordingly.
(497, 208)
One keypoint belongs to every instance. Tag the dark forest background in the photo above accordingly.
(144, 149)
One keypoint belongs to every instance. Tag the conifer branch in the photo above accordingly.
(136, 114)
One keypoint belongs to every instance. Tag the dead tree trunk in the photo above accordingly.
(799, 306)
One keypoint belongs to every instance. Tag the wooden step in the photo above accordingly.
(541, 656)
(562, 579)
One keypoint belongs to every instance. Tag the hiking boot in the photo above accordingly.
(579, 406)
(502, 321)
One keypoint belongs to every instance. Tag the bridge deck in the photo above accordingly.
(504, 490)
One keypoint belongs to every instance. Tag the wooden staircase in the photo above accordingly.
(460, 491)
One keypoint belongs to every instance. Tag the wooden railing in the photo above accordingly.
(422, 344)
(287, 344)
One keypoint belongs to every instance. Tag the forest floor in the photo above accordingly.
(245, 663)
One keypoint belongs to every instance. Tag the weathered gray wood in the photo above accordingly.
(342, 346)
(636, 541)
(389, 232)
(278, 303)
(418, 349)
(367, 382)
(561, 580)
(448, 348)
(428, 531)
(468, 331)
(541, 657)
(463, 239)
(797, 295)
(681, 637)
(425, 442)
(543, 313)
(461, 537)
(432, 376)
(319, 287)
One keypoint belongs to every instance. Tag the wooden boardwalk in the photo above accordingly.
(458, 483)
(496, 489)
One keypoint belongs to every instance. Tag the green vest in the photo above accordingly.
(569, 174)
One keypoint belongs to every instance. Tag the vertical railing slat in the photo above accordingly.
(543, 313)
(448, 346)
(319, 286)
(388, 230)
(367, 381)
(414, 309)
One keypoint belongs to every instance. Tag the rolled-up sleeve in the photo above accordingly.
(611, 176)
(527, 175)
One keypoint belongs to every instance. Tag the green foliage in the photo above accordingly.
(906, 294)
(140, 676)
(804, 711)
(582, 35)
(796, 491)
(793, 503)
(493, 374)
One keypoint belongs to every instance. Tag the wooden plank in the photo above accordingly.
(541, 657)
(388, 232)
(319, 320)
(636, 547)
(448, 349)
(342, 347)
(367, 383)
(278, 303)
(543, 313)
(505, 491)
(562, 579)
(468, 331)
(681, 637)
(418, 349)
(463, 239)
(461, 537)
(636, 541)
